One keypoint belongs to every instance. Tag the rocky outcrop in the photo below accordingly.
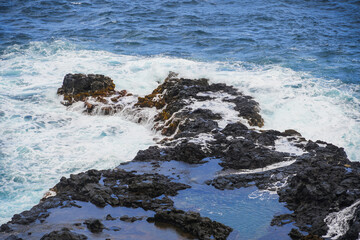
(77, 87)
(175, 94)
(94, 90)
(202, 122)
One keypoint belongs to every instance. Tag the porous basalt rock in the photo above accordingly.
(63, 234)
(173, 94)
(296, 235)
(120, 188)
(192, 222)
(77, 87)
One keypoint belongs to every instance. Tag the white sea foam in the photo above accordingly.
(282, 144)
(263, 195)
(48, 194)
(216, 105)
(202, 139)
(338, 222)
(123, 108)
(259, 170)
(272, 188)
(40, 140)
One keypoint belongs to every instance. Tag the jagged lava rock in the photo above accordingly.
(203, 228)
(77, 87)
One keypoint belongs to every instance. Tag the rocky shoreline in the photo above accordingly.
(201, 123)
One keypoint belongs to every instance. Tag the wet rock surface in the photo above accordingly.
(354, 229)
(126, 218)
(77, 87)
(13, 237)
(315, 179)
(175, 96)
(94, 225)
(63, 234)
(193, 223)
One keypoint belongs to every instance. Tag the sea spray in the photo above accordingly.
(338, 222)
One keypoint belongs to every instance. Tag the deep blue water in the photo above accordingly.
(320, 37)
(299, 59)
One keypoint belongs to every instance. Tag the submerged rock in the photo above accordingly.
(110, 218)
(63, 234)
(94, 225)
(126, 218)
(13, 237)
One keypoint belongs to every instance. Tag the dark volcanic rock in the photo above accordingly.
(245, 154)
(120, 188)
(126, 218)
(79, 86)
(13, 237)
(36, 212)
(249, 109)
(189, 152)
(63, 234)
(191, 127)
(174, 94)
(296, 235)
(110, 218)
(5, 228)
(192, 222)
(94, 225)
(149, 154)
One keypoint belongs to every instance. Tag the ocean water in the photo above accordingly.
(237, 208)
(299, 59)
